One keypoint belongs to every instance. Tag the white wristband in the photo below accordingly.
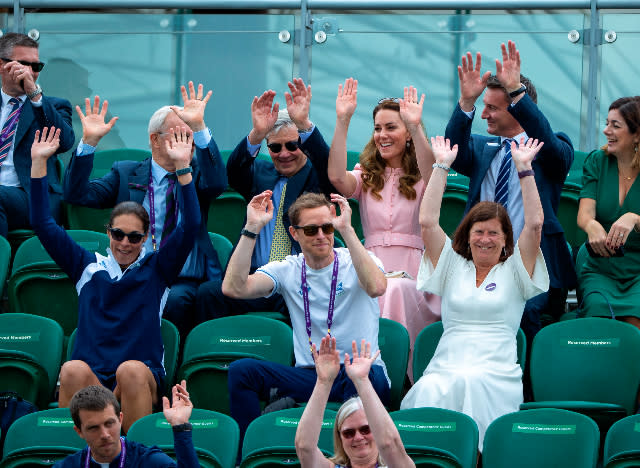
(441, 166)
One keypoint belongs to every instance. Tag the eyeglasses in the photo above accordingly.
(35, 66)
(119, 235)
(290, 145)
(392, 99)
(351, 433)
(311, 229)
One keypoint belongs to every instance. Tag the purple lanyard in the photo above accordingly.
(123, 454)
(332, 296)
(152, 212)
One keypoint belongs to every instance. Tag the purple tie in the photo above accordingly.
(171, 215)
(9, 129)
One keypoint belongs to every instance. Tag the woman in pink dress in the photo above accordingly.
(389, 186)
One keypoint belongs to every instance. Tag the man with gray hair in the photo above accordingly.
(299, 158)
(152, 184)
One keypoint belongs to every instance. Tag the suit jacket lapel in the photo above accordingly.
(139, 181)
(26, 119)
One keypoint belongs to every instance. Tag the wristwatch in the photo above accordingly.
(183, 171)
(35, 92)
(184, 427)
(518, 91)
(249, 234)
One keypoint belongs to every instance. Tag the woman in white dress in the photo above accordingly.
(484, 281)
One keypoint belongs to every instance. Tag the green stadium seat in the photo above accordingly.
(586, 365)
(622, 444)
(393, 341)
(438, 437)
(41, 439)
(454, 202)
(541, 438)
(568, 215)
(213, 345)
(5, 260)
(427, 342)
(215, 436)
(574, 178)
(226, 215)
(269, 440)
(30, 355)
(223, 248)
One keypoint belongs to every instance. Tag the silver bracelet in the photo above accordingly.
(441, 166)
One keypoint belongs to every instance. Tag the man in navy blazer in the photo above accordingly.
(19, 70)
(299, 159)
(511, 111)
(147, 180)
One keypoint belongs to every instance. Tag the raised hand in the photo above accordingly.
(180, 411)
(259, 211)
(94, 126)
(442, 151)
(358, 368)
(179, 146)
(347, 99)
(45, 144)
(524, 154)
(192, 112)
(411, 109)
(508, 72)
(344, 220)
(327, 359)
(472, 81)
(264, 114)
(298, 100)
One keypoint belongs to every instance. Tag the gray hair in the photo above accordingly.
(284, 121)
(156, 122)
(10, 40)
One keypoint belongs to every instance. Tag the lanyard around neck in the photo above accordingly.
(123, 454)
(332, 296)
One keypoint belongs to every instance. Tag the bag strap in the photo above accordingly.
(580, 313)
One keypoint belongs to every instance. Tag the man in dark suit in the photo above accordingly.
(19, 69)
(149, 183)
(299, 158)
(511, 111)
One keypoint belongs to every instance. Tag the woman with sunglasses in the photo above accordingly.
(364, 435)
(389, 186)
(120, 296)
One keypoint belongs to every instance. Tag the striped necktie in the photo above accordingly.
(171, 214)
(504, 174)
(9, 129)
(281, 244)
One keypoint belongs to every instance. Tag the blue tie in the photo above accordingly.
(9, 129)
(502, 183)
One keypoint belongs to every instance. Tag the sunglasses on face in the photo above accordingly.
(35, 66)
(311, 229)
(118, 235)
(351, 433)
(289, 145)
(392, 99)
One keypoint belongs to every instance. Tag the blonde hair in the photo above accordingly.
(349, 407)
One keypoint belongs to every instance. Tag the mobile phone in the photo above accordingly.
(619, 252)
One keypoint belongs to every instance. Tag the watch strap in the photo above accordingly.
(35, 92)
(528, 172)
(183, 171)
(249, 234)
(184, 427)
(518, 91)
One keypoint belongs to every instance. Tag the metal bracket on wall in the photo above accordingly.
(603, 37)
(323, 27)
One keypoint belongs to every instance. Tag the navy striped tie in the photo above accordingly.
(502, 183)
(9, 129)
(171, 216)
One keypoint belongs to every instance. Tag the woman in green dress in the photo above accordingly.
(609, 214)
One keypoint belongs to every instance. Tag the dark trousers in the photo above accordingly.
(251, 380)
(212, 304)
(14, 209)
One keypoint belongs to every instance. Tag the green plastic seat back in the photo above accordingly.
(226, 215)
(274, 434)
(26, 340)
(47, 434)
(215, 436)
(393, 341)
(424, 429)
(103, 160)
(622, 444)
(171, 342)
(213, 345)
(541, 438)
(567, 215)
(427, 341)
(223, 248)
(5, 259)
(454, 202)
(589, 359)
(85, 217)
(36, 279)
(456, 179)
(574, 177)
(356, 222)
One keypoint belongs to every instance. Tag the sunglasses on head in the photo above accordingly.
(392, 99)
(312, 229)
(35, 66)
(351, 433)
(118, 235)
(290, 145)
